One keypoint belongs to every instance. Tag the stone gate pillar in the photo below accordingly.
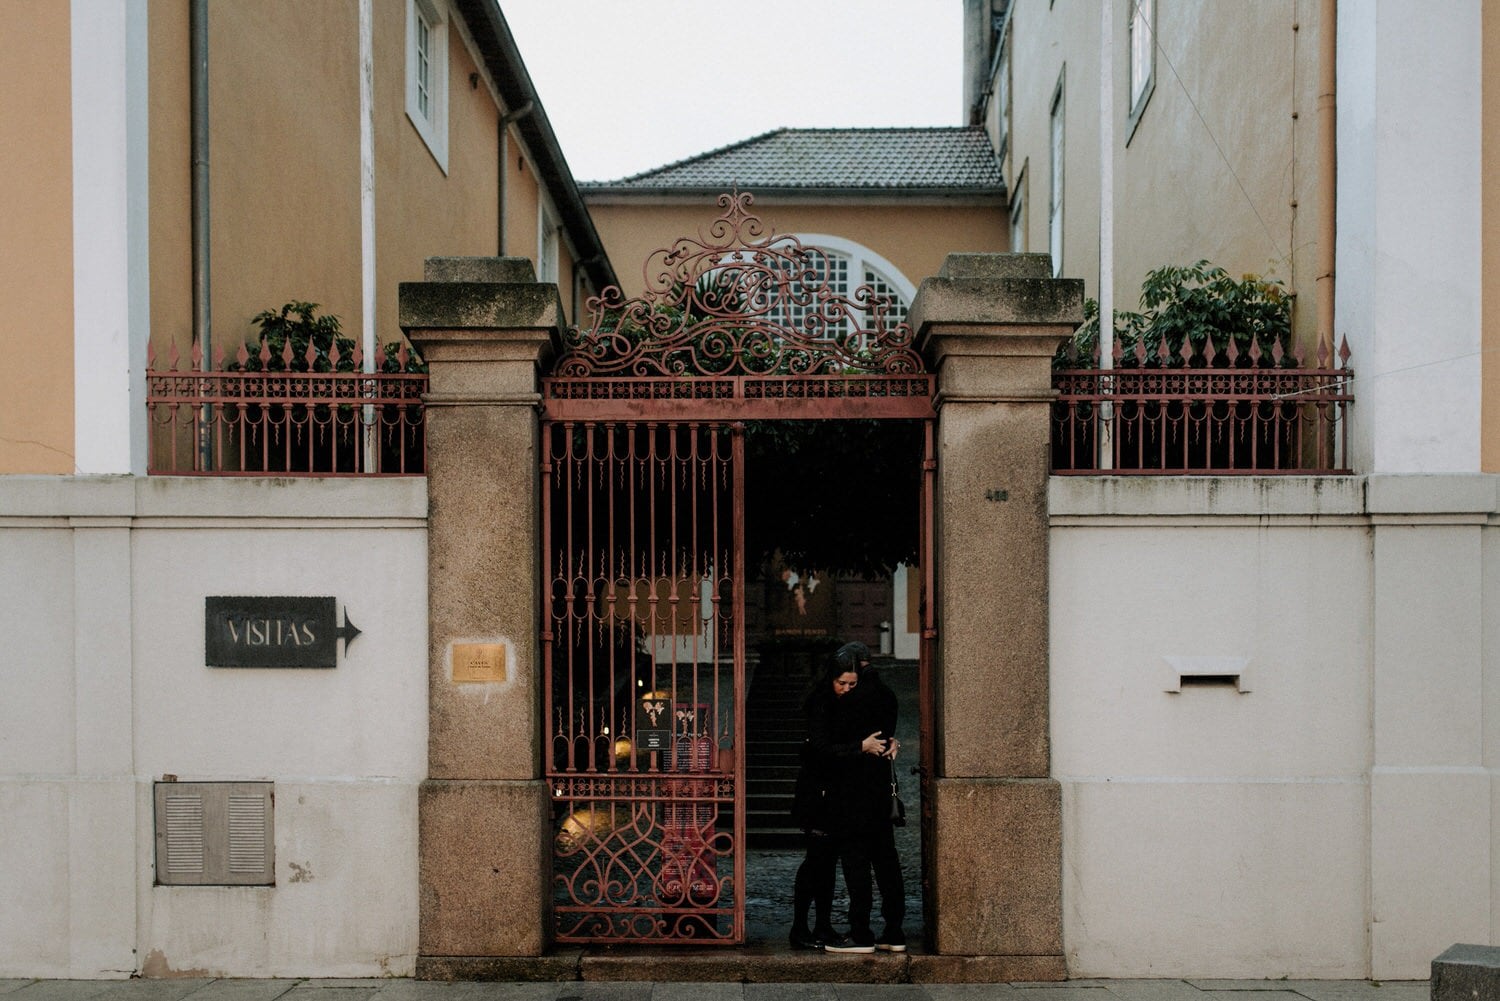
(484, 326)
(989, 325)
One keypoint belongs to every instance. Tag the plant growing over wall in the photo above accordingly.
(298, 323)
(1200, 305)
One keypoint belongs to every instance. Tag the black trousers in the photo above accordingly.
(873, 851)
(815, 881)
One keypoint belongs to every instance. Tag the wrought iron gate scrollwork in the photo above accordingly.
(643, 548)
(739, 300)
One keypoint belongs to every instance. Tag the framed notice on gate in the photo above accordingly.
(653, 722)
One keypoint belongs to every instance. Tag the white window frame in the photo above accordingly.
(548, 246)
(430, 122)
(861, 259)
(1002, 95)
(1141, 35)
(1056, 139)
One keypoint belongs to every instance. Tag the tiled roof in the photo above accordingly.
(927, 159)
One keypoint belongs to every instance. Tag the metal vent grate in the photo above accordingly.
(214, 833)
(247, 834)
(185, 833)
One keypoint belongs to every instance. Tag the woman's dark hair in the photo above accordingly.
(822, 686)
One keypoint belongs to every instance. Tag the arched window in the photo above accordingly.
(847, 265)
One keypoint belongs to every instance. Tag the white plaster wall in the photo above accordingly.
(105, 691)
(36, 660)
(1409, 238)
(1332, 818)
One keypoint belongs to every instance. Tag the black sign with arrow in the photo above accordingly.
(287, 631)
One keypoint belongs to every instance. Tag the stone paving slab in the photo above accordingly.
(1065, 992)
(698, 992)
(236, 989)
(608, 991)
(1154, 990)
(791, 992)
(326, 990)
(966, 992)
(6, 986)
(879, 992)
(62, 990)
(1362, 990)
(153, 990)
(427, 990)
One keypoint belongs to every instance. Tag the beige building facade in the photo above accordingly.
(1237, 726)
(326, 180)
(1250, 134)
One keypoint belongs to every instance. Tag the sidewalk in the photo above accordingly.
(421, 990)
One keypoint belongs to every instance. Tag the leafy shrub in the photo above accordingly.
(1199, 305)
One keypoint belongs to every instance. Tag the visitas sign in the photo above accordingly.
(287, 631)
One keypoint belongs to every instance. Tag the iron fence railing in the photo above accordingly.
(1198, 411)
(240, 419)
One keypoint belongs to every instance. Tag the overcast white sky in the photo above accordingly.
(633, 84)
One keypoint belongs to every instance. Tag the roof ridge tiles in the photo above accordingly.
(787, 135)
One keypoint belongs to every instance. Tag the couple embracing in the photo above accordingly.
(843, 804)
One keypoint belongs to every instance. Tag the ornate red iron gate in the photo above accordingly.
(643, 549)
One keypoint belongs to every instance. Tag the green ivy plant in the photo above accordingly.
(1198, 305)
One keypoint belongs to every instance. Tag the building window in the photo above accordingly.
(1002, 97)
(427, 75)
(1142, 57)
(546, 246)
(1055, 199)
(845, 266)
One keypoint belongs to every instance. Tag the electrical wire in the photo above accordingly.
(1157, 46)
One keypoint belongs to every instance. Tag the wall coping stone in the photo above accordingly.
(468, 305)
(1272, 496)
(504, 270)
(996, 266)
(345, 498)
(981, 293)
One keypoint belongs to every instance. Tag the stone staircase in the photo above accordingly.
(774, 732)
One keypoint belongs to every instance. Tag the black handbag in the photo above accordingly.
(898, 808)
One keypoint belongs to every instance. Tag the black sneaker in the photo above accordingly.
(845, 944)
(891, 940)
(804, 939)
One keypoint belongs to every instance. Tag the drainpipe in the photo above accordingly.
(1104, 446)
(1328, 17)
(504, 153)
(202, 331)
(369, 342)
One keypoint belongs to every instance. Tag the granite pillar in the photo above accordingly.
(485, 326)
(989, 325)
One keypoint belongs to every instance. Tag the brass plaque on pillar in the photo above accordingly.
(479, 662)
